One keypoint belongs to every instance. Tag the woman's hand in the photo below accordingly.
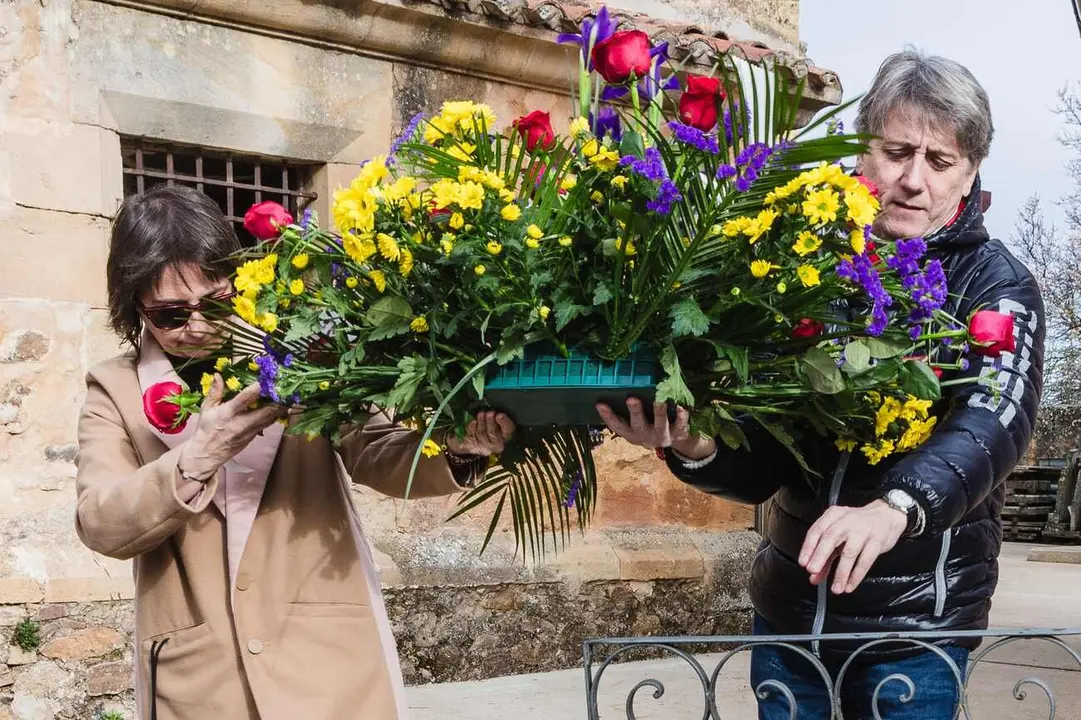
(487, 434)
(225, 429)
(660, 433)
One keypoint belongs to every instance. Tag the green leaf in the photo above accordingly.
(821, 372)
(883, 348)
(857, 356)
(301, 326)
(737, 359)
(512, 347)
(566, 311)
(732, 435)
(389, 311)
(601, 294)
(781, 434)
(383, 333)
(478, 384)
(414, 369)
(688, 319)
(917, 378)
(673, 388)
(882, 373)
(632, 144)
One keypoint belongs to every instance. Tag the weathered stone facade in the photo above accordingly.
(323, 82)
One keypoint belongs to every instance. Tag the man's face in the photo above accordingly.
(921, 174)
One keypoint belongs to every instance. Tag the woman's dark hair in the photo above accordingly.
(167, 226)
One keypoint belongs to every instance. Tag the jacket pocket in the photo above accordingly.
(184, 670)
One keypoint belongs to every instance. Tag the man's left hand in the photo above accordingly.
(859, 534)
(487, 434)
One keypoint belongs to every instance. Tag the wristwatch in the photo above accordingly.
(900, 500)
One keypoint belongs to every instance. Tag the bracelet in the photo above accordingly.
(185, 475)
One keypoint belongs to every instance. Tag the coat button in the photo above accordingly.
(243, 581)
(255, 646)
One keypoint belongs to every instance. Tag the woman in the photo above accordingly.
(912, 543)
(256, 594)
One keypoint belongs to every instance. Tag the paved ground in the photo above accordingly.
(1030, 594)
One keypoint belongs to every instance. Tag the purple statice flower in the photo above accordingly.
(407, 135)
(748, 165)
(726, 171)
(964, 364)
(272, 349)
(879, 319)
(835, 127)
(287, 361)
(928, 291)
(591, 32)
(694, 137)
(572, 492)
(915, 331)
(860, 271)
(651, 167)
(296, 398)
(606, 122)
(268, 374)
(726, 120)
(906, 261)
(651, 84)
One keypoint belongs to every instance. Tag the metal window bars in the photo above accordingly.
(235, 181)
(599, 655)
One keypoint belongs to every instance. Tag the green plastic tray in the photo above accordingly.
(546, 388)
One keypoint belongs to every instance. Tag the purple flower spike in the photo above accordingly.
(695, 138)
(592, 31)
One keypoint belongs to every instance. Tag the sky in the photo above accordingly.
(1022, 54)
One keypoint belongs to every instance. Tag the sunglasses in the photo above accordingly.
(173, 317)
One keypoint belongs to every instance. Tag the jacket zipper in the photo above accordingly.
(940, 574)
(823, 587)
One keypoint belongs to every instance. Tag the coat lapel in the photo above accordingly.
(241, 490)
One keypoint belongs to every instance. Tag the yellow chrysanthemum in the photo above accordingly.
(544, 311)
(877, 453)
(457, 221)
(359, 249)
(480, 270)
(253, 367)
(388, 246)
(233, 384)
(760, 225)
(419, 324)
(761, 268)
(534, 232)
(605, 160)
(806, 243)
(568, 183)
(380, 280)
(205, 382)
(351, 282)
(400, 189)
(619, 181)
(579, 127)
(436, 129)
(221, 364)
(471, 196)
(444, 193)
(808, 275)
(494, 247)
(591, 148)
(325, 385)
(532, 243)
(511, 213)
(845, 444)
(244, 308)
(300, 261)
(628, 248)
(447, 245)
(597, 196)
(736, 226)
(821, 206)
(269, 322)
(566, 241)
(431, 448)
(858, 241)
(405, 264)
(462, 151)
(782, 287)
(507, 195)
(862, 207)
(296, 287)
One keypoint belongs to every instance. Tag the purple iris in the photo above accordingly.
(651, 84)
(694, 137)
(268, 374)
(591, 32)
(606, 122)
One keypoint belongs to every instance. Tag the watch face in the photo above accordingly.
(901, 499)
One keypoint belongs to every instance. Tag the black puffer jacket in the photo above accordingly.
(943, 579)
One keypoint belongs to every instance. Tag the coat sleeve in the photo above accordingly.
(380, 453)
(749, 476)
(990, 420)
(125, 508)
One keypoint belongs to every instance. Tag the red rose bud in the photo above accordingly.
(937, 371)
(991, 333)
(700, 102)
(808, 328)
(536, 128)
(868, 184)
(266, 220)
(164, 416)
(622, 56)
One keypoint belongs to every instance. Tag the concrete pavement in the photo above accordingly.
(1030, 594)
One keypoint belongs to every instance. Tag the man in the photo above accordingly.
(912, 543)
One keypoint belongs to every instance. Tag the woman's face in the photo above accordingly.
(921, 174)
(176, 299)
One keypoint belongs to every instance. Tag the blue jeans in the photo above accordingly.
(936, 693)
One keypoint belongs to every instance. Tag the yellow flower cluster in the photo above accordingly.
(458, 118)
(354, 207)
(251, 278)
(900, 426)
(823, 201)
(605, 159)
(753, 228)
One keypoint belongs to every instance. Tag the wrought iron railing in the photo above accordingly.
(600, 654)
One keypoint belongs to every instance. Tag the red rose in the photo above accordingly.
(699, 105)
(868, 184)
(536, 128)
(266, 220)
(623, 55)
(869, 251)
(991, 333)
(807, 328)
(164, 416)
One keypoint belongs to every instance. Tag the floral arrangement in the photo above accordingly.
(686, 214)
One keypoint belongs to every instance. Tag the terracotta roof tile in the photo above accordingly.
(688, 43)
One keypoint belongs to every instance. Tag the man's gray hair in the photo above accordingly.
(941, 92)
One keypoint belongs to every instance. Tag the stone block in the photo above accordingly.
(54, 256)
(63, 166)
(667, 562)
(7, 679)
(14, 591)
(54, 611)
(17, 656)
(111, 678)
(84, 644)
(40, 688)
(89, 589)
(10, 616)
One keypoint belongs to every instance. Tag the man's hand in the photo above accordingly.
(660, 432)
(859, 534)
(487, 434)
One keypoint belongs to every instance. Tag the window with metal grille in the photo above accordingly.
(234, 181)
